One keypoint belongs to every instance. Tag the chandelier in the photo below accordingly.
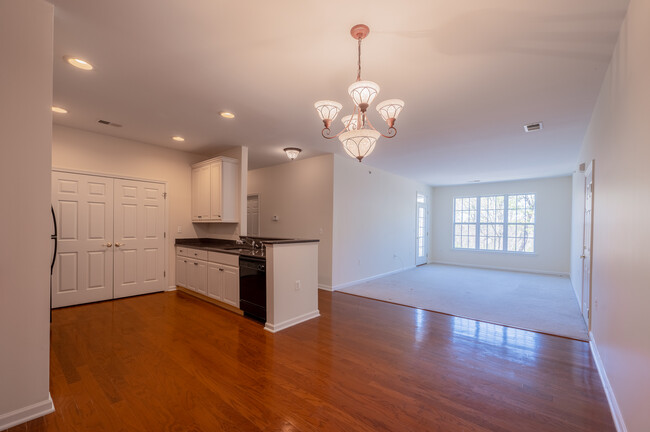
(358, 135)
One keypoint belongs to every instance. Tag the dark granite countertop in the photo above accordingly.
(231, 247)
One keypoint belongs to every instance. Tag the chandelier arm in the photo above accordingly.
(392, 131)
(328, 133)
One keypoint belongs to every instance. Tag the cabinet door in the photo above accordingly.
(215, 281)
(215, 190)
(202, 277)
(181, 271)
(191, 274)
(201, 193)
(231, 285)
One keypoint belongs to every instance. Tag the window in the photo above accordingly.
(498, 222)
(465, 223)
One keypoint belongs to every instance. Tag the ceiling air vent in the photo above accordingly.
(106, 122)
(533, 127)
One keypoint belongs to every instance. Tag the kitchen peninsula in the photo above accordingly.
(210, 269)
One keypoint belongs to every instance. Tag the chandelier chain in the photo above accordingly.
(359, 62)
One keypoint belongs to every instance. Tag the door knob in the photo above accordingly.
(582, 257)
(109, 244)
(118, 244)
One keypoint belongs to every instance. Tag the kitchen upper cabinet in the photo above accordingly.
(201, 193)
(215, 190)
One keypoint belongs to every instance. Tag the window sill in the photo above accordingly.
(481, 251)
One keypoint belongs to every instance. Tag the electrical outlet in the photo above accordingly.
(180, 229)
(297, 285)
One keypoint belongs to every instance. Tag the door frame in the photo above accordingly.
(589, 171)
(426, 227)
(142, 179)
(259, 211)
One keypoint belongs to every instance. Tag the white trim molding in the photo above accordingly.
(325, 287)
(273, 328)
(609, 392)
(358, 281)
(487, 267)
(171, 288)
(27, 413)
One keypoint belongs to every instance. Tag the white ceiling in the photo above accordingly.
(471, 72)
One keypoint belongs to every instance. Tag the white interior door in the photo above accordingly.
(586, 248)
(139, 237)
(253, 215)
(421, 228)
(83, 271)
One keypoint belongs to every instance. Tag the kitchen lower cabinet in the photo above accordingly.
(197, 276)
(211, 274)
(223, 283)
(181, 271)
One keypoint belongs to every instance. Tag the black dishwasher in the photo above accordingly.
(252, 287)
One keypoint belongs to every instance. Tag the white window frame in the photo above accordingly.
(505, 224)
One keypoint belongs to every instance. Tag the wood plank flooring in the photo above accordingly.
(170, 362)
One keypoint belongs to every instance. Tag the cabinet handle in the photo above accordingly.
(196, 263)
(199, 217)
(220, 269)
(185, 261)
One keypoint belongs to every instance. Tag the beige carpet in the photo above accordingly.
(524, 300)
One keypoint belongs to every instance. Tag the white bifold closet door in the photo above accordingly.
(139, 238)
(111, 238)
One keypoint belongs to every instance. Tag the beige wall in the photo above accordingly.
(373, 222)
(91, 152)
(618, 139)
(25, 157)
(300, 194)
(552, 228)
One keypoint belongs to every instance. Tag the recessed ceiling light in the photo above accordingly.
(227, 114)
(178, 138)
(78, 63)
(59, 110)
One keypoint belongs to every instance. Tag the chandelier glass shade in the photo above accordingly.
(292, 152)
(358, 135)
(359, 143)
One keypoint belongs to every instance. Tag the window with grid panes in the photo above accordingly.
(465, 223)
(521, 223)
(495, 223)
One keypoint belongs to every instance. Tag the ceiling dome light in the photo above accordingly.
(78, 63)
(227, 114)
(178, 138)
(292, 152)
(59, 110)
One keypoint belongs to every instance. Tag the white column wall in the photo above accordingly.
(618, 139)
(26, 29)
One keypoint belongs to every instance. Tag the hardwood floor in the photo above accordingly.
(170, 362)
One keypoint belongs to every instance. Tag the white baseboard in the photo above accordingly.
(27, 413)
(487, 267)
(613, 404)
(273, 328)
(325, 287)
(171, 288)
(358, 281)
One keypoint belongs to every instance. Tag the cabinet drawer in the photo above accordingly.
(198, 254)
(223, 258)
(192, 253)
